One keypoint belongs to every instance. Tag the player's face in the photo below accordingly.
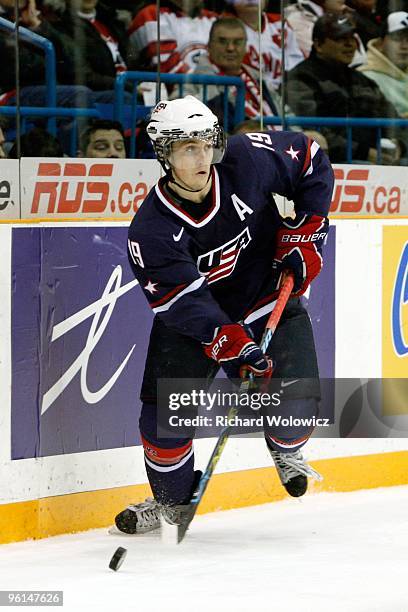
(106, 143)
(341, 50)
(395, 47)
(191, 162)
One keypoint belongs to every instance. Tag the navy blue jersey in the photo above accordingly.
(198, 274)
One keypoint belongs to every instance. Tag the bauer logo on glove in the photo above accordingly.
(234, 349)
(299, 244)
(299, 238)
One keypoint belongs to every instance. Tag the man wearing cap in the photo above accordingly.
(387, 61)
(325, 85)
(303, 15)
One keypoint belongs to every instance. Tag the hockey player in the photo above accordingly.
(208, 247)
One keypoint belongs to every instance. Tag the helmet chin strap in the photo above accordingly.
(171, 179)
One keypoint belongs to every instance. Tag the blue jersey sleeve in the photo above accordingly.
(169, 278)
(292, 165)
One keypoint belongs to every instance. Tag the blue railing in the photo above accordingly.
(50, 63)
(347, 122)
(54, 112)
(180, 80)
(136, 77)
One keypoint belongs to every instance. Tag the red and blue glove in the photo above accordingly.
(299, 244)
(237, 353)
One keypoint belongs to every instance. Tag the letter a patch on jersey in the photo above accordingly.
(221, 262)
(240, 206)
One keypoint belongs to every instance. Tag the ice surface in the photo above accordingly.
(331, 552)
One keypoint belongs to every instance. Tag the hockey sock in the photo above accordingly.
(288, 445)
(295, 426)
(169, 462)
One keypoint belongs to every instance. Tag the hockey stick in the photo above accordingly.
(189, 512)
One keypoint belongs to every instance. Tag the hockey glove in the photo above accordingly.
(237, 353)
(299, 244)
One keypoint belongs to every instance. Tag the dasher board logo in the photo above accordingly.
(85, 187)
(395, 319)
(399, 302)
(80, 329)
(374, 190)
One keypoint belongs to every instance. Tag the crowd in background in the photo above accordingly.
(341, 59)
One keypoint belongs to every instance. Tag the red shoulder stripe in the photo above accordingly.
(307, 158)
(168, 295)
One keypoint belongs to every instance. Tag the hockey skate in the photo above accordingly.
(175, 515)
(139, 518)
(145, 517)
(293, 471)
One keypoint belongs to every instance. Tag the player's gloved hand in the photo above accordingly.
(237, 353)
(299, 244)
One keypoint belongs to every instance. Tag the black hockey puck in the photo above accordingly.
(117, 558)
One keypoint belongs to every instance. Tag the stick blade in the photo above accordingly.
(184, 524)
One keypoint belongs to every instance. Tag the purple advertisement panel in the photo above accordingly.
(78, 352)
(25, 309)
(80, 330)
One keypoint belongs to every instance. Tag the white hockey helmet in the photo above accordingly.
(183, 119)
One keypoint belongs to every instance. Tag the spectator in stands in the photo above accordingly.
(37, 143)
(270, 41)
(99, 45)
(367, 22)
(225, 55)
(103, 138)
(183, 34)
(324, 85)
(387, 61)
(302, 16)
(32, 62)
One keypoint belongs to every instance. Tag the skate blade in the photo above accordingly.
(154, 533)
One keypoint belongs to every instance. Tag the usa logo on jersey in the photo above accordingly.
(221, 262)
